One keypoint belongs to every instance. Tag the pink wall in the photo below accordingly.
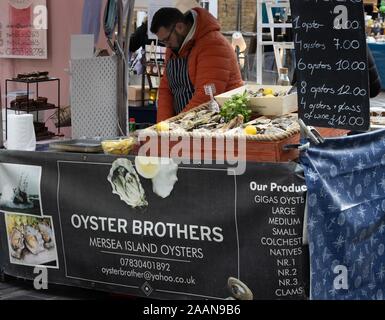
(64, 20)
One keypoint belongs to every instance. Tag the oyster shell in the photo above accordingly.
(274, 131)
(201, 121)
(239, 290)
(189, 116)
(262, 120)
(195, 121)
(17, 243)
(47, 235)
(234, 123)
(175, 126)
(126, 183)
(187, 125)
(285, 123)
(164, 182)
(216, 118)
(33, 240)
(202, 113)
(208, 126)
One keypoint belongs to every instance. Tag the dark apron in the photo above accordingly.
(180, 83)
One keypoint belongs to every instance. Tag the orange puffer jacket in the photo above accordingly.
(211, 60)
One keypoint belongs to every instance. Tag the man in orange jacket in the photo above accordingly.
(197, 55)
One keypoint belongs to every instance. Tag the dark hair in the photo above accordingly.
(166, 17)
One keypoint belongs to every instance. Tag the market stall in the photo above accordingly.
(181, 235)
(213, 203)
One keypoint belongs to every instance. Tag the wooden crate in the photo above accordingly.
(259, 148)
(256, 151)
(265, 106)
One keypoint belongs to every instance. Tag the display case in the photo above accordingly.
(23, 103)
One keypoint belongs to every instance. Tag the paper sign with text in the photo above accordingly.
(23, 29)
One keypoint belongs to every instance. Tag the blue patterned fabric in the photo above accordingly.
(346, 217)
(91, 18)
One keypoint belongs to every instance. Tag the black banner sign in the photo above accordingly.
(186, 233)
(332, 70)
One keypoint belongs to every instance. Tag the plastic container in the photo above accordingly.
(118, 147)
(283, 78)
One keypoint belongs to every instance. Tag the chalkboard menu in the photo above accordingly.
(332, 68)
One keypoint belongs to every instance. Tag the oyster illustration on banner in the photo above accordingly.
(163, 183)
(147, 167)
(126, 184)
(162, 171)
(33, 240)
(239, 290)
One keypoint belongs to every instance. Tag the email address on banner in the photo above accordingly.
(148, 276)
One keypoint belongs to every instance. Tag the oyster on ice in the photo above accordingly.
(33, 240)
(17, 243)
(126, 184)
(163, 183)
(46, 233)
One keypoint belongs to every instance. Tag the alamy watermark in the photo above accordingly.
(41, 280)
(341, 281)
(40, 18)
(223, 150)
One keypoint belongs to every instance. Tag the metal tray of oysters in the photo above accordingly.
(78, 145)
(203, 122)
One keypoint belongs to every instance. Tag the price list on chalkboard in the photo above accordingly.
(331, 63)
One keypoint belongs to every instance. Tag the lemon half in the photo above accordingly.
(162, 126)
(147, 167)
(251, 130)
(268, 91)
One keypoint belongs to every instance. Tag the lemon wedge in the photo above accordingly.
(250, 130)
(268, 91)
(147, 167)
(162, 126)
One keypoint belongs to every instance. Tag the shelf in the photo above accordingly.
(33, 80)
(45, 136)
(287, 45)
(31, 105)
(276, 25)
(32, 109)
